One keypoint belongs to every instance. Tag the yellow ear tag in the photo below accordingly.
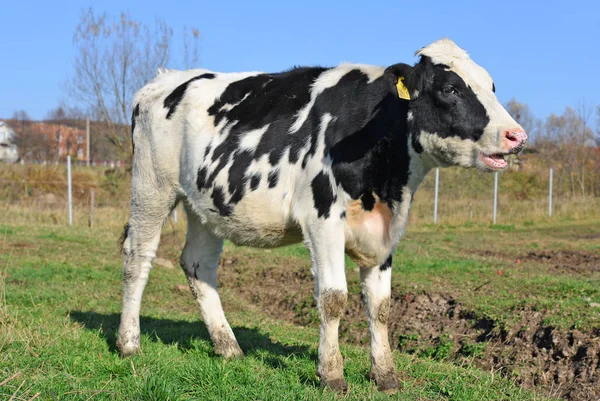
(402, 89)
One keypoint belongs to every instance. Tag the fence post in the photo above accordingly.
(435, 198)
(550, 195)
(92, 196)
(87, 141)
(70, 196)
(175, 215)
(495, 195)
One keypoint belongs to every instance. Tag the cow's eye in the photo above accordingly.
(449, 89)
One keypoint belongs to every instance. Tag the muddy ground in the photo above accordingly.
(563, 363)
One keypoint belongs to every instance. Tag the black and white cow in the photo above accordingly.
(328, 156)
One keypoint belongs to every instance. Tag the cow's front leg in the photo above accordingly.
(325, 239)
(376, 288)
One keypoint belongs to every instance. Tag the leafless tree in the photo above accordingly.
(566, 144)
(114, 58)
(523, 115)
(190, 47)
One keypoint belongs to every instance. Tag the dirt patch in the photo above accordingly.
(564, 363)
(564, 260)
(574, 261)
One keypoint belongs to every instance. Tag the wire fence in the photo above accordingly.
(449, 198)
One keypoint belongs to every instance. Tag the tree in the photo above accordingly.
(565, 143)
(114, 58)
(523, 115)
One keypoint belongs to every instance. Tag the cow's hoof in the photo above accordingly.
(389, 385)
(386, 383)
(227, 347)
(128, 350)
(337, 385)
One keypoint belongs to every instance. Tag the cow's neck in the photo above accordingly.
(376, 225)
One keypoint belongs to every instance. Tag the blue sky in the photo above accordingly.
(546, 54)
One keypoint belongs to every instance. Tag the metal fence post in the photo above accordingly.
(550, 195)
(495, 195)
(435, 198)
(175, 215)
(69, 189)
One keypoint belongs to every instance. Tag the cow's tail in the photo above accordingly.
(123, 238)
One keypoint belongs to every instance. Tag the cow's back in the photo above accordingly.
(248, 150)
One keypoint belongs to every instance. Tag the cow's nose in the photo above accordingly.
(515, 139)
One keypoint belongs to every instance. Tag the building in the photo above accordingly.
(66, 140)
(8, 149)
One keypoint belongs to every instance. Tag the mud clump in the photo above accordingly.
(563, 363)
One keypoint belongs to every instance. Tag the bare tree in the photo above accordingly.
(114, 58)
(523, 115)
(190, 47)
(566, 142)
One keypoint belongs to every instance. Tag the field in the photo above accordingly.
(506, 312)
(480, 311)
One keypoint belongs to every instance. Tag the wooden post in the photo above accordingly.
(87, 141)
(92, 196)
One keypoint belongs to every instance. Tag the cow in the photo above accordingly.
(328, 156)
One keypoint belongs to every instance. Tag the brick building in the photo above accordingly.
(66, 140)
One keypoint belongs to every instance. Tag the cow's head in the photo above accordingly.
(454, 115)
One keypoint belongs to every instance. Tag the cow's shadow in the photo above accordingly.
(183, 333)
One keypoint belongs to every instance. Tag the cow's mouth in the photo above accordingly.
(494, 161)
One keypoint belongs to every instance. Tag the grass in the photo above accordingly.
(60, 303)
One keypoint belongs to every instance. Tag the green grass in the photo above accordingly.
(60, 302)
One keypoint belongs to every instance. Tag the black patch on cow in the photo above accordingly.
(323, 195)
(273, 178)
(218, 198)
(387, 264)
(367, 135)
(134, 115)
(201, 179)
(255, 182)
(493, 87)
(368, 201)
(446, 105)
(261, 100)
(175, 97)
(237, 176)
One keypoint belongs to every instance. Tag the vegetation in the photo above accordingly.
(61, 300)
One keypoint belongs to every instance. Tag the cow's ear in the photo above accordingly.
(404, 77)
(399, 70)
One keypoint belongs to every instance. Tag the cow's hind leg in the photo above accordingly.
(376, 290)
(150, 207)
(199, 261)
